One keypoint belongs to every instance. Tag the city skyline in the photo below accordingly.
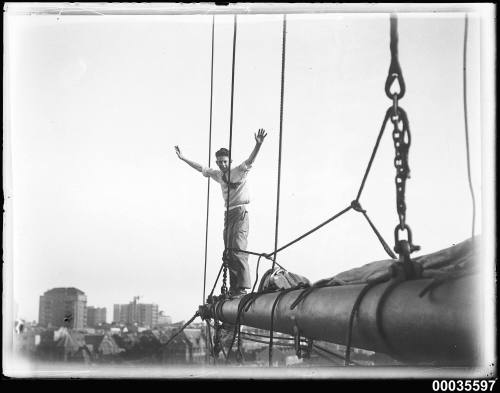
(93, 305)
(98, 309)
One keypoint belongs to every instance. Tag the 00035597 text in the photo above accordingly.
(463, 385)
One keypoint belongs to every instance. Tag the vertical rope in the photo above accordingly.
(232, 111)
(230, 144)
(283, 52)
(209, 155)
(467, 125)
(256, 274)
(354, 312)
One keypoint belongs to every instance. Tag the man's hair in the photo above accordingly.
(223, 152)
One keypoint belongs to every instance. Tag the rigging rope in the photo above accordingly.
(241, 305)
(467, 126)
(311, 231)
(217, 347)
(225, 256)
(216, 280)
(259, 254)
(247, 336)
(283, 53)
(353, 204)
(278, 344)
(354, 312)
(209, 155)
(196, 314)
(338, 356)
(264, 336)
(393, 283)
(271, 329)
(256, 274)
(209, 342)
(379, 236)
(374, 151)
(284, 344)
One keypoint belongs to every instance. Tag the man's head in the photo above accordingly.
(222, 159)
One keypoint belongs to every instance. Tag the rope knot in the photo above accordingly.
(357, 206)
(267, 256)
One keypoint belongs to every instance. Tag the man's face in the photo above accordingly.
(223, 163)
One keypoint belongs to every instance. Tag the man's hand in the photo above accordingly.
(192, 164)
(259, 137)
(178, 151)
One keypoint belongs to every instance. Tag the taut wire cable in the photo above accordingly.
(283, 54)
(209, 155)
(466, 28)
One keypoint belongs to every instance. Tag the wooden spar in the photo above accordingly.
(392, 318)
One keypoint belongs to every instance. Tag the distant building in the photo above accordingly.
(164, 319)
(117, 314)
(62, 344)
(142, 314)
(96, 316)
(189, 346)
(63, 307)
(101, 346)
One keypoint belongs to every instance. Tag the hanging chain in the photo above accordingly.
(223, 289)
(402, 139)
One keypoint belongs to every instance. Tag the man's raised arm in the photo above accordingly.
(259, 138)
(192, 164)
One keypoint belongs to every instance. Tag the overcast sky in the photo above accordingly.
(97, 103)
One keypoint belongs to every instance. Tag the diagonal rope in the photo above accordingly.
(467, 126)
(283, 53)
(334, 354)
(267, 336)
(357, 206)
(196, 315)
(311, 231)
(259, 254)
(280, 344)
(380, 238)
(209, 155)
(216, 280)
(381, 132)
